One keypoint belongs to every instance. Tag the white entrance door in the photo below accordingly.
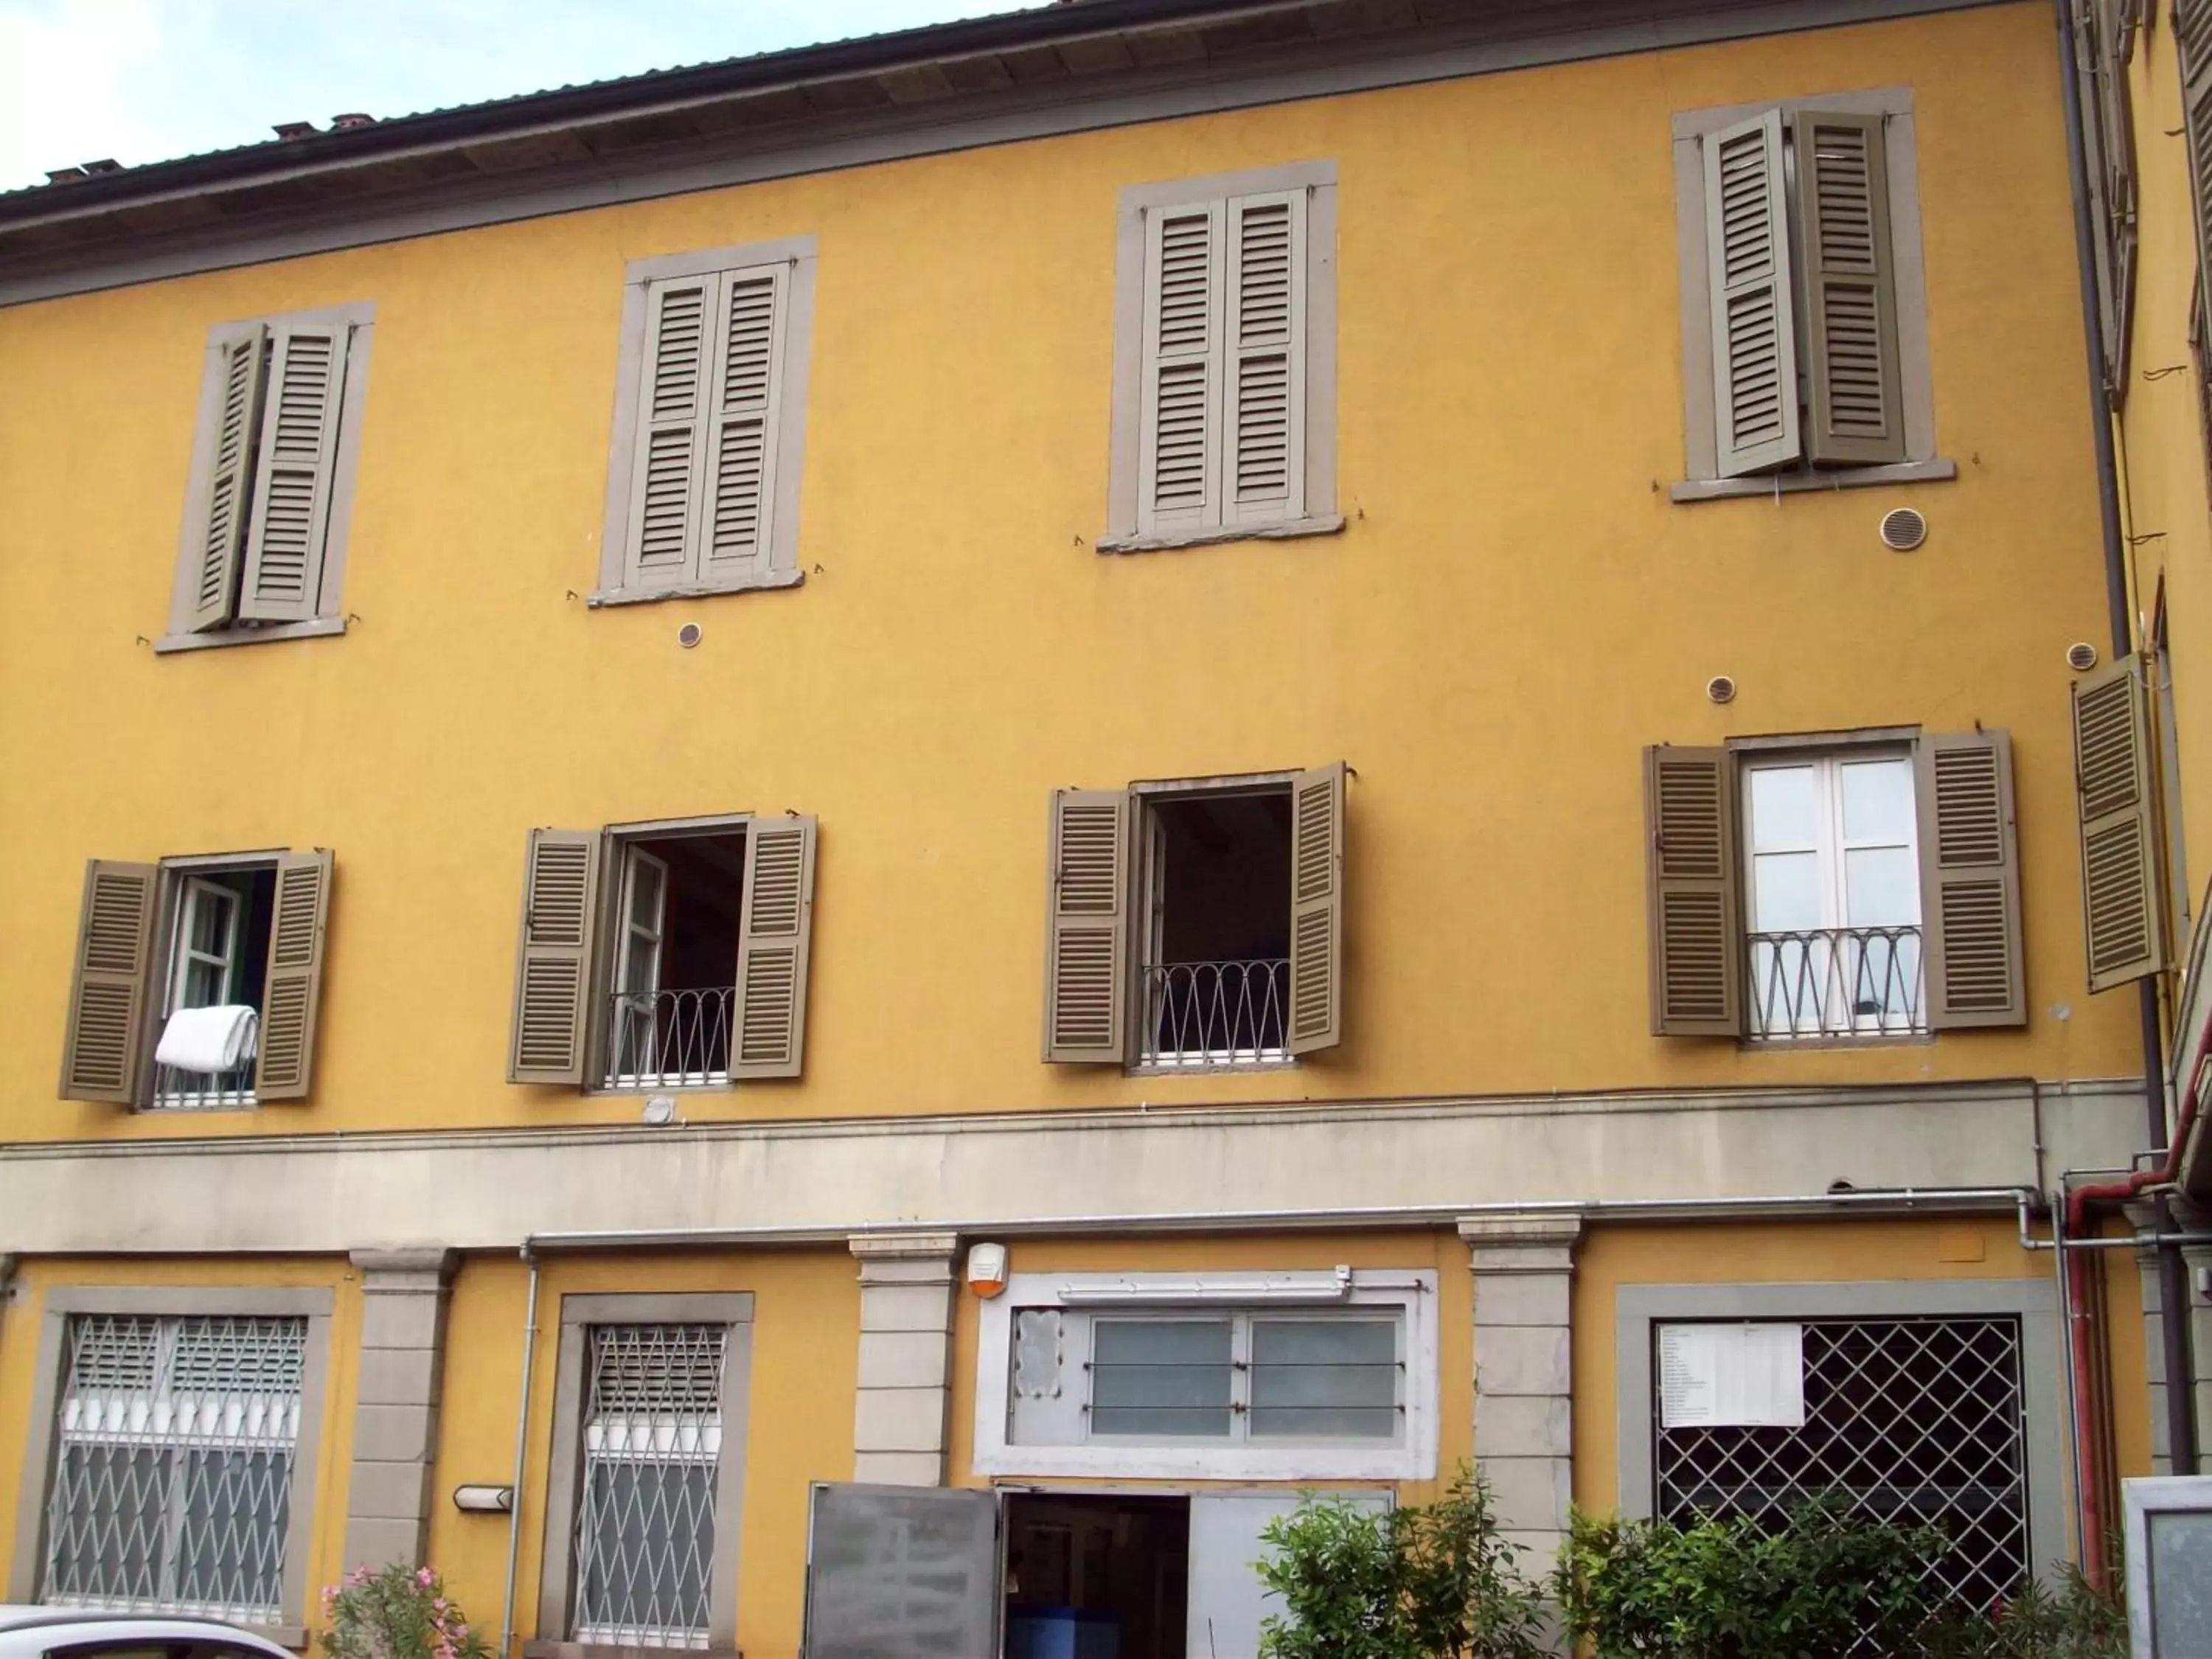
(1227, 1601)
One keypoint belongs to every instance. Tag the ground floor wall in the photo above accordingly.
(876, 1356)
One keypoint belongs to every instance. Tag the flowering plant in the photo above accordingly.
(396, 1613)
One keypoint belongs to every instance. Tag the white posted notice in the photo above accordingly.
(1713, 1377)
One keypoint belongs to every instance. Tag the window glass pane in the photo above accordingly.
(203, 985)
(1337, 1377)
(1878, 800)
(1785, 812)
(645, 894)
(1881, 887)
(1785, 891)
(1160, 1377)
(211, 927)
(638, 968)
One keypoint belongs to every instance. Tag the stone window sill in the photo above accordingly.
(607, 596)
(1240, 533)
(314, 628)
(1794, 483)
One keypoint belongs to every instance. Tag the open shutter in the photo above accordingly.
(901, 1573)
(1754, 327)
(2120, 911)
(1855, 413)
(1179, 445)
(1969, 880)
(224, 512)
(2192, 31)
(747, 391)
(1086, 993)
(1263, 396)
(295, 987)
(1317, 1019)
(553, 968)
(108, 1000)
(1696, 945)
(773, 932)
(299, 459)
(669, 457)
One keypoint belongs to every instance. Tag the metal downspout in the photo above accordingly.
(521, 1450)
(2172, 1280)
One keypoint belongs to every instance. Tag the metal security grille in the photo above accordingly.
(1918, 1421)
(652, 1441)
(171, 1487)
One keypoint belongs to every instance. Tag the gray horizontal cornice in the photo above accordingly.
(821, 1181)
(1507, 39)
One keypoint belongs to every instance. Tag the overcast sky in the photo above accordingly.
(149, 79)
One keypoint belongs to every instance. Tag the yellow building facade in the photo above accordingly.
(850, 843)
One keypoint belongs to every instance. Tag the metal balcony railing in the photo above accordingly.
(665, 1039)
(177, 1090)
(1216, 1014)
(1838, 982)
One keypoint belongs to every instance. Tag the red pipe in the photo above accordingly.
(2091, 1496)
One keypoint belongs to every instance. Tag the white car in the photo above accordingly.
(72, 1633)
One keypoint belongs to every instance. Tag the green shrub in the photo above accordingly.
(1432, 1581)
(396, 1613)
(2075, 1621)
(1733, 1589)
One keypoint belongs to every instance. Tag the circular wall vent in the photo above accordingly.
(688, 635)
(2080, 656)
(1903, 529)
(1721, 689)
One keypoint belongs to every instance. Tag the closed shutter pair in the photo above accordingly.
(263, 518)
(703, 466)
(1090, 908)
(1221, 439)
(556, 963)
(1969, 886)
(117, 981)
(1843, 274)
(2192, 33)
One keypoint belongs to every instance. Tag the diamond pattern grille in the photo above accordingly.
(172, 1486)
(1918, 1421)
(652, 1441)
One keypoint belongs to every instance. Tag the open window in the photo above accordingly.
(664, 956)
(1833, 890)
(1195, 926)
(198, 982)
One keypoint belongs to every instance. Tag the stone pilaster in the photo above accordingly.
(1524, 1370)
(395, 1425)
(906, 1357)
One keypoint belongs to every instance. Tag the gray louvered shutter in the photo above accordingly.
(2116, 156)
(291, 516)
(2192, 32)
(669, 455)
(1753, 326)
(1316, 1012)
(2122, 918)
(773, 933)
(224, 510)
(110, 987)
(1086, 995)
(1697, 943)
(744, 399)
(1969, 880)
(293, 995)
(553, 965)
(1854, 411)
(901, 1573)
(1179, 420)
(1264, 371)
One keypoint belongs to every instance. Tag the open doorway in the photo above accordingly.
(1097, 1578)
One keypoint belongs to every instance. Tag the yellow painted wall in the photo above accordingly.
(2162, 437)
(1514, 612)
(798, 1429)
(19, 1353)
(1273, 1253)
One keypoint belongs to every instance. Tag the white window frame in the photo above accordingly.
(197, 890)
(1831, 847)
(183, 880)
(1410, 1294)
